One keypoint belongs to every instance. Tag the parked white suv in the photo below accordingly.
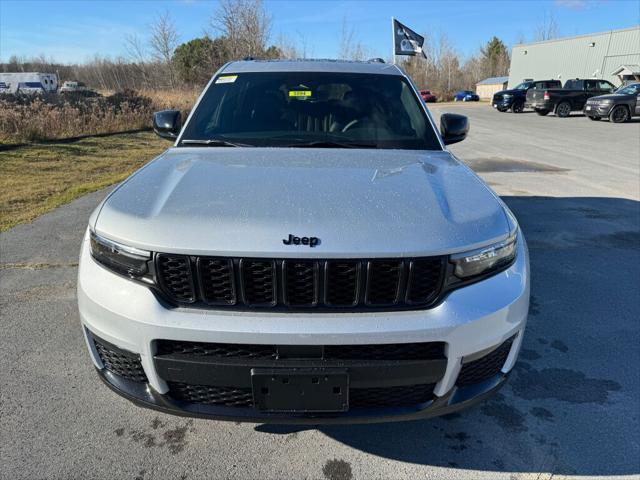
(307, 251)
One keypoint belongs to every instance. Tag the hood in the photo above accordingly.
(508, 92)
(245, 201)
(613, 96)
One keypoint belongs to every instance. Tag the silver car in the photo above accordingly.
(308, 251)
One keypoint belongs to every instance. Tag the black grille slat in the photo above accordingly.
(383, 282)
(217, 280)
(425, 276)
(342, 280)
(485, 367)
(258, 282)
(301, 283)
(120, 362)
(176, 278)
(385, 351)
(219, 350)
(289, 284)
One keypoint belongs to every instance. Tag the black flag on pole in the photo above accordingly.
(405, 40)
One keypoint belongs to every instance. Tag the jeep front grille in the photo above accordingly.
(248, 283)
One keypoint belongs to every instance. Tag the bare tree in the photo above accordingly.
(138, 56)
(245, 24)
(288, 48)
(548, 29)
(350, 47)
(163, 42)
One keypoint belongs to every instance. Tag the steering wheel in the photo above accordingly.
(363, 122)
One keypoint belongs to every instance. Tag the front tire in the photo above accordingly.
(517, 107)
(563, 110)
(541, 112)
(619, 114)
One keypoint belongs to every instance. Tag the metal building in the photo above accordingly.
(487, 87)
(597, 55)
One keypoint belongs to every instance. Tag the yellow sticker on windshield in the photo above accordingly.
(227, 79)
(300, 93)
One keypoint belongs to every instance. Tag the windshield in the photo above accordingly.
(523, 86)
(629, 89)
(278, 109)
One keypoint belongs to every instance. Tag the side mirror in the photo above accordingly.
(167, 124)
(453, 127)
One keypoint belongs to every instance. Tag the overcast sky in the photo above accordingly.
(75, 31)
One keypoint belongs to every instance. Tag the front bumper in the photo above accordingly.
(470, 322)
(504, 104)
(601, 111)
(456, 399)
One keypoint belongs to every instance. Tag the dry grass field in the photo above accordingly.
(37, 178)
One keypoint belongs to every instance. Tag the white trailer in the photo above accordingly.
(12, 81)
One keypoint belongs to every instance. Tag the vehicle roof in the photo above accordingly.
(493, 80)
(312, 65)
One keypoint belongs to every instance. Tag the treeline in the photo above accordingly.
(237, 29)
(242, 28)
(444, 73)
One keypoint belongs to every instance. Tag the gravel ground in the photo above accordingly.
(570, 409)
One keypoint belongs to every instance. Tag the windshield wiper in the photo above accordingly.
(329, 144)
(213, 142)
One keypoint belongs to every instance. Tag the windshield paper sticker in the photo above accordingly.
(227, 79)
(300, 93)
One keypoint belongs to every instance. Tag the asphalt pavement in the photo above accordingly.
(571, 409)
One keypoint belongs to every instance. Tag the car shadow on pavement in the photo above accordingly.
(571, 405)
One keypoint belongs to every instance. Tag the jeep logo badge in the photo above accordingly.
(292, 240)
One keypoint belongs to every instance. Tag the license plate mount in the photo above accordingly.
(300, 389)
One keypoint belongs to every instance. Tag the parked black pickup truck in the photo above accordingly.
(570, 98)
(515, 98)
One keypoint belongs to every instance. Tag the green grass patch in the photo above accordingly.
(38, 178)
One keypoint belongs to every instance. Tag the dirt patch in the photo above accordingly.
(562, 384)
(541, 413)
(337, 470)
(506, 416)
(510, 165)
(173, 439)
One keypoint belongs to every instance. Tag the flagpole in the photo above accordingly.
(393, 42)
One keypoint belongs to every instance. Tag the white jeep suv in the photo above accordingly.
(307, 251)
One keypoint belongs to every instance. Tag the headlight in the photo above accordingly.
(122, 259)
(606, 101)
(485, 260)
(507, 95)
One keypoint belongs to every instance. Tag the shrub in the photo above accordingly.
(25, 119)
